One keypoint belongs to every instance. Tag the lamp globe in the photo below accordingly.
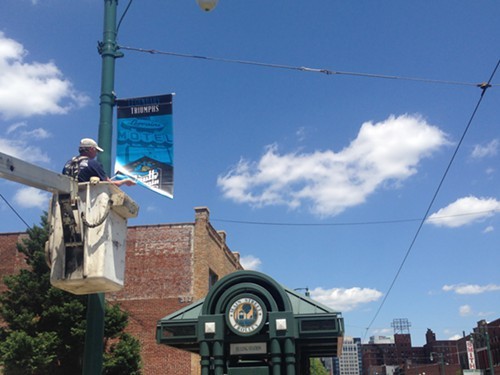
(207, 5)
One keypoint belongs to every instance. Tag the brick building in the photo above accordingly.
(436, 357)
(400, 357)
(168, 266)
(434, 349)
(485, 339)
(11, 261)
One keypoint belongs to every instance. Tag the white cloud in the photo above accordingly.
(471, 288)
(455, 337)
(38, 133)
(465, 310)
(488, 229)
(30, 197)
(21, 150)
(329, 181)
(32, 88)
(341, 299)
(486, 314)
(464, 211)
(17, 143)
(491, 149)
(18, 125)
(301, 134)
(250, 262)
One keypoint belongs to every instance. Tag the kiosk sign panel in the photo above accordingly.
(248, 348)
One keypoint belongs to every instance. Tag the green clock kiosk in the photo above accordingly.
(248, 324)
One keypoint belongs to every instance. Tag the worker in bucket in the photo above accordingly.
(84, 166)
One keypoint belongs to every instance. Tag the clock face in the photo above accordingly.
(245, 316)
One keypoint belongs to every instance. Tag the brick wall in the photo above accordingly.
(158, 262)
(11, 261)
(157, 359)
(158, 279)
(167, 268)
(212, 253)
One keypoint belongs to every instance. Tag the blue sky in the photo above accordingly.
(320, 180)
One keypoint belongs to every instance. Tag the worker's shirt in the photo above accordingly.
(87, 168)
(91, 168)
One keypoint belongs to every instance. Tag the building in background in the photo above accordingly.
(395, 355)
(349, 363)
(381, 340)
(484, 349)
(435, 350)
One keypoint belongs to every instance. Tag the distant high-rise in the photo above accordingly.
(349, 363)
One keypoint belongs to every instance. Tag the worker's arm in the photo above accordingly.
(126, 181)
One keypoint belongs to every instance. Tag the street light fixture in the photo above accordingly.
(306, 289)
(207, 5)
(441, 361)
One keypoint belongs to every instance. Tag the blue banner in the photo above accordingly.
(145, 145)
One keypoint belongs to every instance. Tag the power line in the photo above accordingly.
(14, 210)
(484, 89)
(307, 69)
(123, 16)
(351, 223)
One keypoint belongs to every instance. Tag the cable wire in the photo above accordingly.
(123, 16)
(14, 210)
(306, 69)
(484, 88)
(352, 223)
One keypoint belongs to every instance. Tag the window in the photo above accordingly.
(212, 278)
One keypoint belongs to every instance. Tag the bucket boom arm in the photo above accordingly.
(17, 170)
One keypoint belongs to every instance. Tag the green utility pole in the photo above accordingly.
(441, 363)
(488, 349)
(94, 337)
(109, 52)
(108, 49)
(442, 370)
(483, 333)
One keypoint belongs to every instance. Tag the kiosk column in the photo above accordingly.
(205, 358)
(290, 356)
(276, 356)
(219, 357)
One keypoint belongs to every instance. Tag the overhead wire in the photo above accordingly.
(304, 68)
(436, 192)
(15, 212)
(351, 223)
(123, 16)
(483, 86)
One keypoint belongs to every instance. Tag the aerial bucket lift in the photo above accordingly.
(88, 228)
(86, 247)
